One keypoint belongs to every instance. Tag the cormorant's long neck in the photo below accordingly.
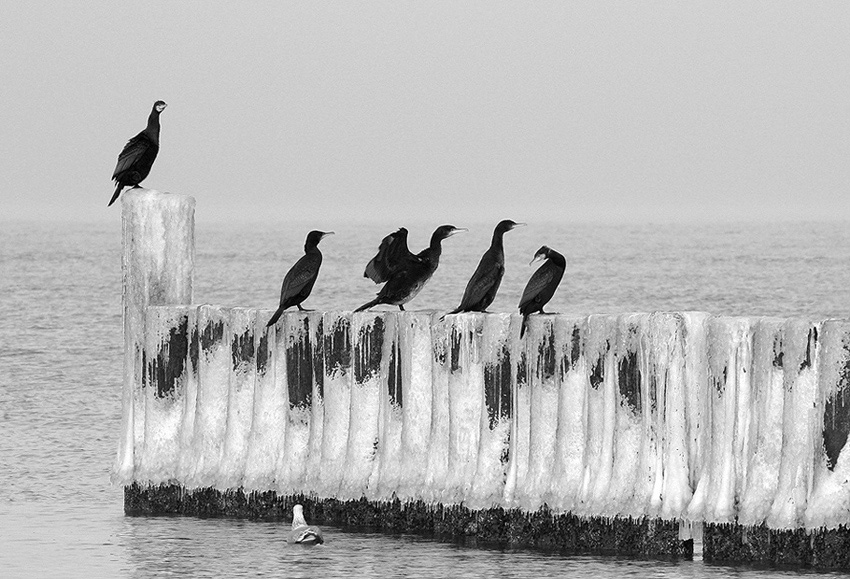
(436, 247)
(497, 243)
(153, 125)
(558, 259)
(433, 251)
(312, 248)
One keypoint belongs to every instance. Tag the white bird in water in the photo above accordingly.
(302, 532)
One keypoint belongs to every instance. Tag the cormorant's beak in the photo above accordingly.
(537, 257)
(326, 233)
(515, 225)
(161, 107)
(458, 230)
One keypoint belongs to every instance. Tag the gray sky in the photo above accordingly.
(447, 111)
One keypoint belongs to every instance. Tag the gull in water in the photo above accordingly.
(302, 532)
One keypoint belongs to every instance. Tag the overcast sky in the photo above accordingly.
(446, 111)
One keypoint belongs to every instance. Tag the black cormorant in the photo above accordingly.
(393, 255)
(484, 283)
(542, 285)
(409, 278)
(299, 280)
(137, 157)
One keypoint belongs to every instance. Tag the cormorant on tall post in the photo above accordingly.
(138, 155)
(543, 283)
(408, 276)
(484, 283)
(299, 280)
(393, 255)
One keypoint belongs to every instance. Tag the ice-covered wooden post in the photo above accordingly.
(158, 269)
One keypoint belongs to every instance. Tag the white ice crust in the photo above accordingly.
(678, 415)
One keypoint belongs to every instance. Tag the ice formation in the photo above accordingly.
(673, 415)
(666, 414)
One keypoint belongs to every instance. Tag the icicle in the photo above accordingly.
(765, 433)
(676, 492)
(367, 338)
(294, 338)
(338, 375)
(541, 349)
(415, 346)
(573, 371)
(601, 412)
(632, 474)
(800, 363)
(466, 403)
(520, 417)
(495, 418)
(729, 358)
(390, 415)
(166, 357)
(269, 412)
(697, 407)
(438, 449)
(240, 402)
(829, 501)
(186, 443)
(214, 365)
(313, 353)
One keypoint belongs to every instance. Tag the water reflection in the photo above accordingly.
(177, 546)
(96, 540)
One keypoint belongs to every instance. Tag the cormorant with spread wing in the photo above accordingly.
(543, 283)
(299, 280)
(393, 255)
(408, 275)
(138, 155)
(484, 283)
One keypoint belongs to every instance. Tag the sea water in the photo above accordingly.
(61, 355)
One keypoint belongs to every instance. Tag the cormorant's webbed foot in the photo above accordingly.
(302, 309)
(401, 307)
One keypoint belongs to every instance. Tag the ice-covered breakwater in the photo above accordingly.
(678, 416)
(681, 418)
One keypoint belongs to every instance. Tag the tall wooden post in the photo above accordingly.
(158, 269)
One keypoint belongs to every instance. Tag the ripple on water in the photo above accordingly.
(61, 357)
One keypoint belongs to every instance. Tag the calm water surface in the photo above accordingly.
(60, 368)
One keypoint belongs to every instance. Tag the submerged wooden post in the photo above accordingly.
(158, 269)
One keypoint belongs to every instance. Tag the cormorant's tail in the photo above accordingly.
(116, 194)
(522, 327)
(368, 305)
(457, 310)
(275, 317)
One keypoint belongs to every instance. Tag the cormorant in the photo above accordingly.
(484, 283)
(542, 285)
(392, 256)
(410, 276)
(299, 280)
(301, 532)
(137, 157)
